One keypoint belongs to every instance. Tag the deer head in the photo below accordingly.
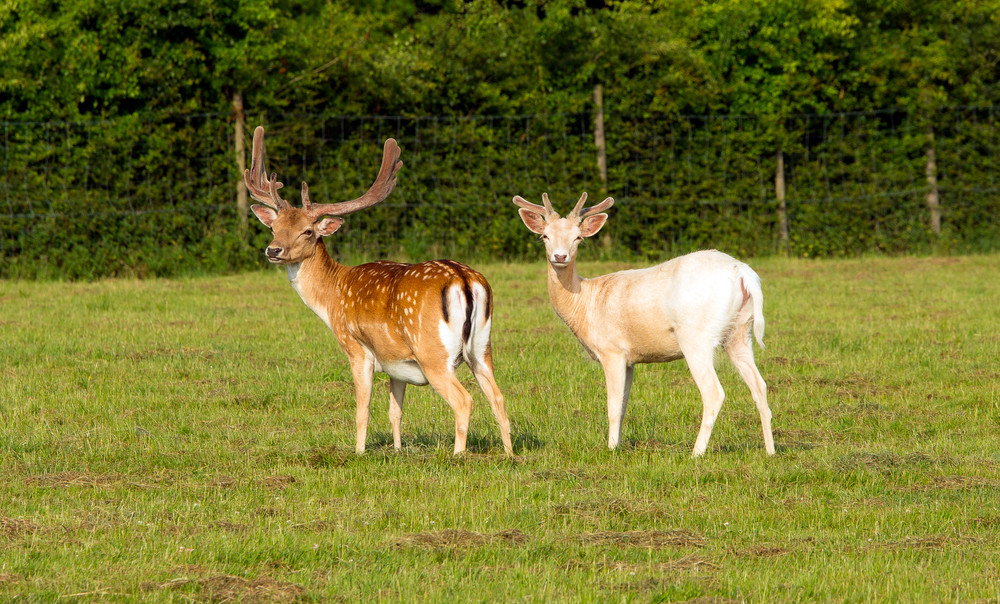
(562, 235)
(296, 230)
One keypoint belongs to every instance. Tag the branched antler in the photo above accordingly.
(595, 209)
(547, 210)
(265, 190)
(261, 188)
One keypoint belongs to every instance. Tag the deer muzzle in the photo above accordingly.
(273, 254)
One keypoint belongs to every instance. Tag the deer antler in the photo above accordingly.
(380, 189)
(604, 205)
(532, 207)
(265, 190)
(261, 188)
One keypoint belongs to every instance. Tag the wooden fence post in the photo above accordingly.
(599, 142)
(779, 192)
(933, 200)
(241, 163)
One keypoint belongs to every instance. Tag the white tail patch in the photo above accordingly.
(479, 338)
(751, 285)
(450, 331)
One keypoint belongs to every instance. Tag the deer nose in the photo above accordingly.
(272, 252)
(559, 257)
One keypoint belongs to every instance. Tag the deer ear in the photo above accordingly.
(264, 214)
(534, 222)
(592, 224)
(328, 225)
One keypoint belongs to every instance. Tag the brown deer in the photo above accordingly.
(684, 308)
(415, 322)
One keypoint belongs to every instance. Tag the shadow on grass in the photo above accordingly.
(420, 444)
(681, 448)
(474, 443)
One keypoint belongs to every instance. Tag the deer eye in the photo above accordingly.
(307, 233)
(579, 238)
(545, 237)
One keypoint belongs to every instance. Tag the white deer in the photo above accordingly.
(683, 308)
(415, 322)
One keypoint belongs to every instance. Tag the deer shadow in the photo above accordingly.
(476, 443)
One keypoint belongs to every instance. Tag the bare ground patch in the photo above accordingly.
(456, 538)
(880, 461)
(75, 479)
(560, 475)
(317, 526)
(278, 482)
(764, 550)
(928, 542)
(217, 381)
(618, 508)
(785, 362)
(14, 528)
(650, 539)
(229, 588)
(329, 457)
(988, 521)
(689, 563)
(953, 483)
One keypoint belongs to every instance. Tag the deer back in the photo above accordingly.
(398, 309)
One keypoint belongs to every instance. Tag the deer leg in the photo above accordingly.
(446, 383)
(484, 376)
(629, 374)
(702, 368)
(741, 354)
(397, 390)
(617, 374)
(363, 370)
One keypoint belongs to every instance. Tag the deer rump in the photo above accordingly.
(708, 292)
(405, 313)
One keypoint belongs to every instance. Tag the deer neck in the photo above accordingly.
(568, 294)
(314, 278)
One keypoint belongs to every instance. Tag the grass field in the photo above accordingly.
(192, 440)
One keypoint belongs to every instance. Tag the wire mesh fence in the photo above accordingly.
(134, 196)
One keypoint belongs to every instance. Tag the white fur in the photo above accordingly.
(451, 332)
(404, 371)
(319, 309)
(684, 308)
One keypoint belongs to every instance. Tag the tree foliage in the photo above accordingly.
(121, 84)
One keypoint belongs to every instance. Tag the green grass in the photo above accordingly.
(193, 440)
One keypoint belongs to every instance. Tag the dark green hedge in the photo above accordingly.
(127, 197)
